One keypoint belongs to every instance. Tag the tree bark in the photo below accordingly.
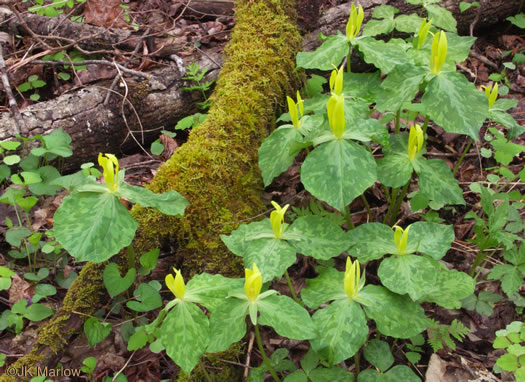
(216, 170)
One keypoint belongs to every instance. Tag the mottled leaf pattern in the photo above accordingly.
(278, 151)
(318, 237)
(342, 330)
(329, 285)
(437, 182)
(410, 274)
(211, 290)
(227, 324)
(450, 288)
(329, 54)
(288, 318)
(169, 203)
(395, 315)
(378, 353)
(334, 374)
(99, 227)
(380, 54)
(401, 85)
(455, 104)
(338, 171)
(185, 334)
(432, 239)
(441, 17)
(371, 241)
(272, 256)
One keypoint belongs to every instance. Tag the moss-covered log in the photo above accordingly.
(216, 170)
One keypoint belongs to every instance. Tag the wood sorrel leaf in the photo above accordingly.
(437, 182)
(342, 330)
(338, 171)
(148, 298)
(169, 203)
(412, 274)
(318, 237)
(395, 315)
(329, 285)
(93, 226)
(288, 318)
(401, 85)
(96, 331)
(114, 283)
(230, 314)
(455, 104)
(329, 54)
(185, 335)
(278, 151)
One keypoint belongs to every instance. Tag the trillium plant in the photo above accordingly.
(93, 225)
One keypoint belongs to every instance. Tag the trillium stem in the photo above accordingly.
(348, 217)
(356, 362)
(292, 290)
(398, 121)
(263, 354)
(479, 259)
(462, 156)
(392, 201)
(367, 206)
(348, 60)
(425, 124)
(398, 202)
(203, 369)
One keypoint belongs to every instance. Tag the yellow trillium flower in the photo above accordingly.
(400, 239)
(277, 219)
(252, 282)
(439, 52)
(352, 278)
(292, 109)
(354, 22)
(336, 115)
(492, 93)
(415, 141)
(109, 164)
(336, 81)
(423, 32)
(176, 284)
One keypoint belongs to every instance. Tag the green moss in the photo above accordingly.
(216, 170)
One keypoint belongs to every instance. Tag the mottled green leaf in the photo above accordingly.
(371, 241)
(377, 27)
(441, 17)
(455, 104)
(318, 237)
(437, 182)
(507, 120)
(411, 274)
(458, 47)
(169, 203)
(329, 54)
(295, 323)
(363, 85)
(93, 226)
(329, 285)
(185, 334)
(449, 288)
(395, 315)
(384, 56)
(230, 314)
(338, 171)
(395, 169)
(342, 331)
(378, 353)
(432, 239)
(277, 152)
(408, 23)
(401, 85)
(211, 290)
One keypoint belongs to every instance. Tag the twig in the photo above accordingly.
(123, 367)
(483, 59)
(20, 124)
(248, 356)
(96, 62)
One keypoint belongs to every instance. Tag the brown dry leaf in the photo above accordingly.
(170, 145)
(104, 13)
(20, 289)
